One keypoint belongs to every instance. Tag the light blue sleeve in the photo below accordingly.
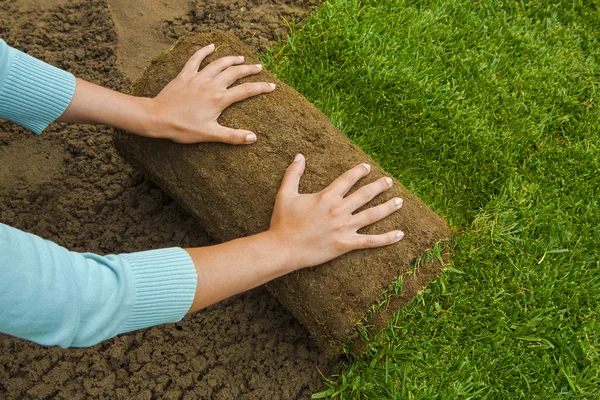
(52, 296)
(32, 93)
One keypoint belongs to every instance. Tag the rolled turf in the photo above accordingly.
(231, 190)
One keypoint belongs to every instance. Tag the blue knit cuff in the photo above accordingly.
(33, 94)
(165, 284)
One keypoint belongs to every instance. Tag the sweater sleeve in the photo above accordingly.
(32, 93)
(52, 296)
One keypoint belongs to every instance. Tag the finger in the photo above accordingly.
(216, 67)
(232, 74)
(291, 179)
(372, 241)
(246, 90)
(232, 136)
(374, 214)
(192, 65)
(342, 184)
(367, 193)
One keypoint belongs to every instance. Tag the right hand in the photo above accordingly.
(321, 226)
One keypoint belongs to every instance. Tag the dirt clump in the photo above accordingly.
(258, 23)
(78, 192)
(137, 24)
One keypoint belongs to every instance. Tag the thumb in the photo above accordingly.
(293, 173)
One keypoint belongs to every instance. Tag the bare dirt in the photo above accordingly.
(70, 186)
(146, 27)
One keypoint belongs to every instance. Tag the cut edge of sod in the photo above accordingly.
(400, 293)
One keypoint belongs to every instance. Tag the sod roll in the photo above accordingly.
(231, 190)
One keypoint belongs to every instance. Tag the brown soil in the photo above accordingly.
(146, 27)
(137, 24)
(70, 186)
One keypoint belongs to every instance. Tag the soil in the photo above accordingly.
(146, 27)
(70, 186)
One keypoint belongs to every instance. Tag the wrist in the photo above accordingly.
(148, 123)
(283, 250)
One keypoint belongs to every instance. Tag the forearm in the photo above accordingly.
(93, 104)
(33, 94)
(56, 297)
(227, 269)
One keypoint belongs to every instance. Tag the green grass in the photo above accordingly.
(488, 111)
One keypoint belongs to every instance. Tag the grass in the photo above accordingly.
(488, 111)
(435, 254)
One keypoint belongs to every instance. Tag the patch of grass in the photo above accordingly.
(436, 253)
(488, 111)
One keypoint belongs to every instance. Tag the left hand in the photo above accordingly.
(187, 109)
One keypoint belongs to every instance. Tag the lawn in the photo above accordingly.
(488, 111)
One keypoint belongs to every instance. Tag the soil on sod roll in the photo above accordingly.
(70, 186)
(230, 190)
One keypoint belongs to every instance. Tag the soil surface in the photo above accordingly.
(70, 186)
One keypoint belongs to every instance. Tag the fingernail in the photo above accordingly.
(399, 235)
(367, 166)
(389, 181)
(259, 66)
(298, 157)
(272, 85)
(211, 45)
(250, 138)
(241, 58)
(399, 202)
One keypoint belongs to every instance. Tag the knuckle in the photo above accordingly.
(182, 75)
(343, 246)
(390, 238)
(228, 60)
(333, 210)
(326, 196)
(349, 176)
(280, 194)
(291, 172)
(223, 62)
(367, 193)
(233, 137)
(250, 89)
(373, 215)
(290, 168)
(237, 71)
(369, 241)
(217, 96)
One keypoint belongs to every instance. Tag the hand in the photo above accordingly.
(321, 226)
(186, 110)
(306, 230)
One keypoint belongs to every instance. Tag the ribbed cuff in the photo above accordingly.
(165, 284)
(33, 93)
